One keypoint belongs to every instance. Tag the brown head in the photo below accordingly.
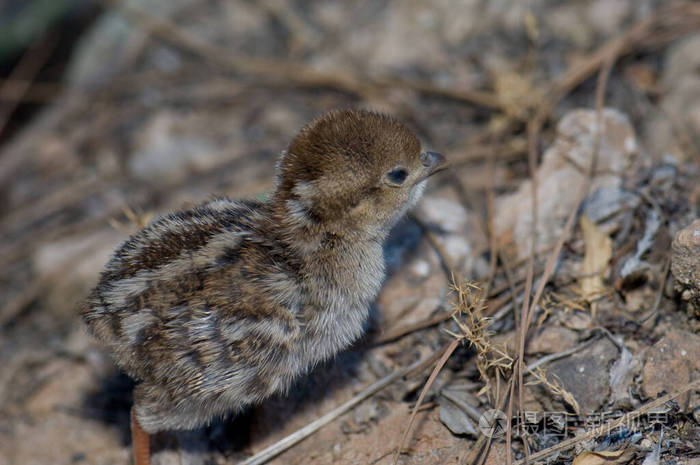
(353, 170)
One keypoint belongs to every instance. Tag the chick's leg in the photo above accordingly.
(140, 440)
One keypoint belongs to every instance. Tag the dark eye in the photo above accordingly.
(397, 176)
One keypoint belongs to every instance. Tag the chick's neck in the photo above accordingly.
(316, 237)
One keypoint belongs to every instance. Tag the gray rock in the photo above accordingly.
(586, 375)
(670, 363)
(562, 175)
(685, 258)
(455, 418)
(685, 266)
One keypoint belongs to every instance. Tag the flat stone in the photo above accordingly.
(670, 363)
(685, 258)
(455, 418)
(586, 375)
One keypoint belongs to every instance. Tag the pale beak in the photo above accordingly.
(433, 162)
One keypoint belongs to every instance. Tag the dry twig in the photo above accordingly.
(446, 352)
(22, 76)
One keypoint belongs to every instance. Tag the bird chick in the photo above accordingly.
(218, 307)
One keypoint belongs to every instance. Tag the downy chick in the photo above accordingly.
(219, 307)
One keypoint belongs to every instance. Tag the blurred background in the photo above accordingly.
(117, 111)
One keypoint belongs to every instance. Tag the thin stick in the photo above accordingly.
(493, 243)
(660, 293)
(24, 73)
(296, 437)
(511, 284)
(524, 320)
(509, 416)
(399, 332)
(447, 352)
(557, 356)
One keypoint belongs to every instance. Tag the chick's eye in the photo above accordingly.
(397, 176)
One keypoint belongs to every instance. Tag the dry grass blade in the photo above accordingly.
(446, 355)
(509, 417)
(529, 309)
(555, 387)
(490, 357)
(408, 329)
(557, 356)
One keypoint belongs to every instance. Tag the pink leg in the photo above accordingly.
(140, 440)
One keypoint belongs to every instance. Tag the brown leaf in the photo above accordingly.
(604, 457)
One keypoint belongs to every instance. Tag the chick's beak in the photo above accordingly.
(432, 162)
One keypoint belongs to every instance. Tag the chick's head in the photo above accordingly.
(353, 169)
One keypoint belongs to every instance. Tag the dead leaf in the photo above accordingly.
(604, 457)
(595, 259)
